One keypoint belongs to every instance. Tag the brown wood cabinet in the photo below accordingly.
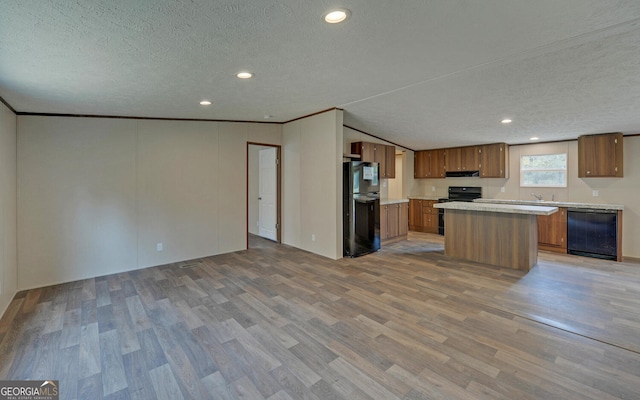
(422, 216)
(493, 160)
(429, 164)
(552, 231)
(600, 155)
(421, 164)
(453, 159)
(415, 214)
(461, 158)
(390, 162)
(470, 158)
(436, 163)
(384, 155)
(394, 222)
(403, 219)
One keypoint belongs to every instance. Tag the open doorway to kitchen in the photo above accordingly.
(263, 193)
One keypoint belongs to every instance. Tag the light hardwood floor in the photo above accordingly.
(274, 322)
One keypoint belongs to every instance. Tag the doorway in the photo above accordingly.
(263, 192)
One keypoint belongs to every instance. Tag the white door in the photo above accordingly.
(267, 190)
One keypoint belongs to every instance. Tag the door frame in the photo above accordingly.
(278, 189)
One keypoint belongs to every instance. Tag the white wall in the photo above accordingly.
(8, 238)
(611, 190)
(97, 195)
(312, 183)
(396, 185)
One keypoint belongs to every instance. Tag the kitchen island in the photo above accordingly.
(505, 235)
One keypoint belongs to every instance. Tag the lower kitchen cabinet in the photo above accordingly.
(552, 231)
(422, 216)
(394, 220)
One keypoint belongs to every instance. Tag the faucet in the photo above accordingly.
(537, 196)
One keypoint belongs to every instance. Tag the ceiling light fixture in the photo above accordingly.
(534, 138)
(244, 75)
(205, 103)
(506, 121)
(336, 16)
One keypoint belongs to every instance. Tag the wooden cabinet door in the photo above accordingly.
(552, 230)
(392, 220)
(380, 156)
(469, 158)
(493, 160)
(390, 161)
(436, 163)
(384, 217)
(453, 159)
(365, 149)
(600, 155)
(415, 214)
(429, 217)
(403, 218)
(421, 164)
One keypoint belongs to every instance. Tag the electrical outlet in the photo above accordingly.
(159, 247)
(596, 193)
(313, 237)
(502, 189)
(433, 188)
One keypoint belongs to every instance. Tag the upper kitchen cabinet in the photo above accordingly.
(493, 160)
(384, 155)
(421, 164)
(600, 156)
(390, 162)
(436, 163)
(429, 164)
(461, 159)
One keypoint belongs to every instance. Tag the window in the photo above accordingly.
(549, 170)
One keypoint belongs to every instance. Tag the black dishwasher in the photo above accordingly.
(592, 233)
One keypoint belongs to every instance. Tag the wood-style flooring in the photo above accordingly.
(274, 322)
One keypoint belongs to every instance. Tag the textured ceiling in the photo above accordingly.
(420, 73)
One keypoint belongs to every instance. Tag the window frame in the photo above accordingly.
(522, 171)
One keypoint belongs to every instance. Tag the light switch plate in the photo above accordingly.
(502, 189)
(159, 247)
(596, 193)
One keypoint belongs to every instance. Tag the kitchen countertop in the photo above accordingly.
(499, 208)
(553, 204)
(424, 198)
(386, 202)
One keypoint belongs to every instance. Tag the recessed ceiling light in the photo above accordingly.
(506, 121)
(534, 138)
(244, 75)
(205, 103)
(336, 16)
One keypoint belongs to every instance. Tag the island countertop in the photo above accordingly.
(499, 208)
(554, 204)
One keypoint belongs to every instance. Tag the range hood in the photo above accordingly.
(460, 174)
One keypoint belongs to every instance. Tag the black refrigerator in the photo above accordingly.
(361, 207)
